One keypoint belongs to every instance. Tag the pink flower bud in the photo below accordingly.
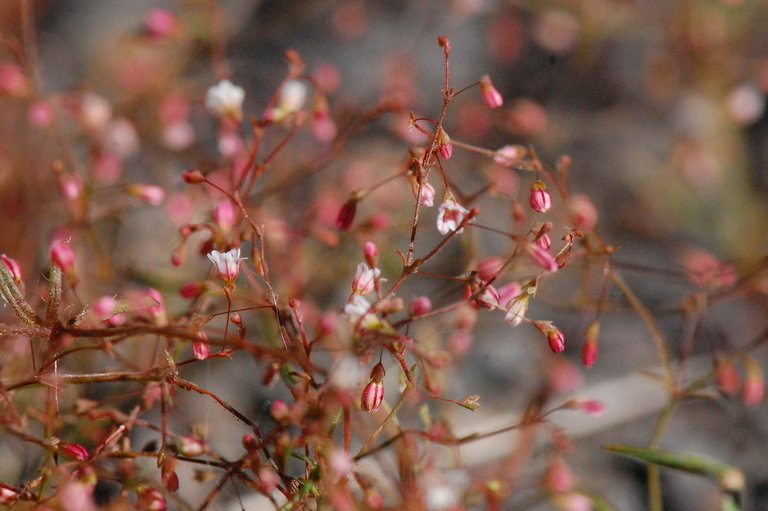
(510, 155)
(150, 499)
(372, 396)
(488, 268)
(558, 478)
(104, 306)
(582, 213)
(589, 351)
(371, 253)
(427, 197)
(13, 266)
(491, 97)
(507, 292)
(727, 376)
(63, 256)
(421, 305)
(201, 350)
(373, 393)
(40, 114)
(161, 23)
(540, 200)
(542, 257)
(13, 81)
(346, 215)
(250, 443)
(224, 215)
(192, 289)
(544, 241)
(150, 194)
(193, 177)
(72, 187)
(279, 410)
(592, 406)
(444, 147)
(75, 451)
(754, 383)
(556, 340)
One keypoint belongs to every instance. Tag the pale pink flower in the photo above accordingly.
(450, 216)
(507, 292)
(510, 155)
(445, 146)
(40, 114)
(225, 100)
(582, 212)
(227, 264)
(359, 310)
(427, 197)
(13, 81)
(365, 279)
(200, 349)
(161, 23)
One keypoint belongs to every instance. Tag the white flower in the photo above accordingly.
(292, 97)
(358, 307)
(517, 309)
(365, 279)
(225, 99)
(450, 216)
(227, 264)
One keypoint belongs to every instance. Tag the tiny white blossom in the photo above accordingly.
(450, 216)
(225, 99)
(517, 309)
(227, 264)
(292, 97)
(358, 307)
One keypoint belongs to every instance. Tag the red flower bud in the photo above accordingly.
(193, 177)
(346, 215)
(75, 451)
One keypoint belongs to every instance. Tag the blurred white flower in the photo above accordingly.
(225, 99)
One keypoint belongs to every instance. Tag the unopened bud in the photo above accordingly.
(421, 305)
(541, 199)
(558, 478)
(150, 194)
(74, 451)
(727, 376)
(373, 393)
(346, 215)
(193, 177)
(63, 256)
(371, 253)
(445, 146)
(589, 351)
(13, 266)
(754, 383)
(491, 97)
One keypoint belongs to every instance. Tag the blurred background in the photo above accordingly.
(661, 106)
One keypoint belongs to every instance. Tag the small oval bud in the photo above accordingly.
(193, 177)
(346, 215)
(491, 97)
(541, 199)
(421, 305)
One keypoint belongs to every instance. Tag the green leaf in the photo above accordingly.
(728, 477)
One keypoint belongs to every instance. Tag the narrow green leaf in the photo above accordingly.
(730, 478)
